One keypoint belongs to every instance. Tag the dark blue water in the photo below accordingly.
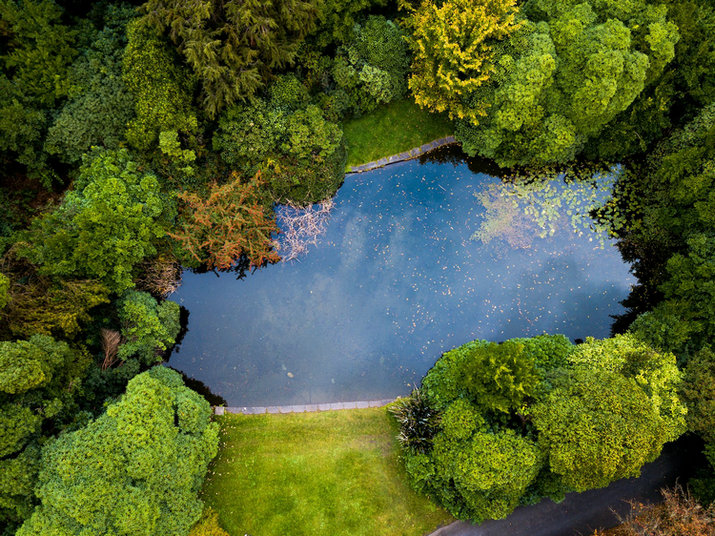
(397, 279)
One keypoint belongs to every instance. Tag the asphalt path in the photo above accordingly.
(582, 513)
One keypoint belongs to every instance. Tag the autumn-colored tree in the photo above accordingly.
(231, 222)
(452, 46)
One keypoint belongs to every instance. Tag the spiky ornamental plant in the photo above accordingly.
(419, 422)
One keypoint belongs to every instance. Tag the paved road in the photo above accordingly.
(582, 513)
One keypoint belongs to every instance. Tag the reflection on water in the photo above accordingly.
(396, 280)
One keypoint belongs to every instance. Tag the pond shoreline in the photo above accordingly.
(406, 155)
(302, 408)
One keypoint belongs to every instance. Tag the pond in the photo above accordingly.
(416, 258)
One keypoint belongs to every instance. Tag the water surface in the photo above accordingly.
(398, 278)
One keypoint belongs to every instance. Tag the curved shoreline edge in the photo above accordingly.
(401, 157)
(302, 408)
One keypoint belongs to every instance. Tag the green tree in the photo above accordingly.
(4, 291)
(561, 78)
(148, 327)
(36, 53)
(40, 379)
(233, 46)
(145, 457)
(99, 105)
(596, 427)
(452, 43)
(161, 88)
(107, 223)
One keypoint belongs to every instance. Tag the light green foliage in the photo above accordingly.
(148, 327)
(162, 89)
(40, 49)
(570, 70)
(490, 471)
(233, 46)
(145, 457)
(500, 377)
(4, 290)
(105, 225)
(539, 417)
(452, 44)
(40, 379)
(100, 106)
(699, 394)
(372, 69)
(535, 205)
(656, 373)
(596, 427)
(208, 525)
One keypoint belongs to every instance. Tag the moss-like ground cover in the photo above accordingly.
(391, 129)
(330, 473)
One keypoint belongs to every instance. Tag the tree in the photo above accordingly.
(36, 54)
(135, 470)
(148, 327)
(596, 427)
(107, 223)
(40, 379)
(233, 46)
(563, 76)
(161, 88)
(99, 105)
(452, 43)
(231, 222)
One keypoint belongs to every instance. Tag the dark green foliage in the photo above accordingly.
(39, 381)
(107, 223)
(337, 18)
(233, 46)
(299, 152)
(145, 457)
(560, 79)
(372, 69)
(418, 422)
(148, 327)
(530, 418)
(36, 53)
(162, 89)
(100, 107)
(669, 235)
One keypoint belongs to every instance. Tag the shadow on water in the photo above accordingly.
(453, 154)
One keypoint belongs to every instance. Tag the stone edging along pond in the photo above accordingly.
(302, 408)
(401, 157)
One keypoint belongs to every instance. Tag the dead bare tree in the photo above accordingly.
(111, 340)
(301, 227)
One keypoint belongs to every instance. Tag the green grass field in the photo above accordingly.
(391, 129)
(331, 473)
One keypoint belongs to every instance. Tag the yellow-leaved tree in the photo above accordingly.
(452, 47)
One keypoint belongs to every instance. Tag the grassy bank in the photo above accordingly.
(391, 129)
(330, 473)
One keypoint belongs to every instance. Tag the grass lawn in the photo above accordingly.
(391, 129)
(331, 473)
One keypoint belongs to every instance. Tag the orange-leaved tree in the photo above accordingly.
(231, 222)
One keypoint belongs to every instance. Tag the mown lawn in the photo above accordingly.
(310, 474)
(391, 129)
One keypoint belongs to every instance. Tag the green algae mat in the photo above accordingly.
(330, 473)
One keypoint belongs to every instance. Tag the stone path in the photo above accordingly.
(302, 408)
(401, 157)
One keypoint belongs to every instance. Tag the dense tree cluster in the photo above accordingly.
(136, 140)
(530, 418)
